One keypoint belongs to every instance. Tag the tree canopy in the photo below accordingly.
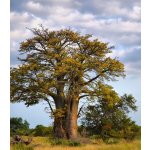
(61, 58)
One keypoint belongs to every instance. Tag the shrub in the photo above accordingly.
(41, 130)
(95, 137)
(111, 140)
(74, 143)
(64, 142)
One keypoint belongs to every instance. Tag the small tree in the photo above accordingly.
(108, 116)
(62, 67)
(18, 126)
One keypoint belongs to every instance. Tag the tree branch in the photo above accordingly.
(80, 110)
(95, 77)
(49, 105)
(91, 80)
(52, 94)
(84, 96)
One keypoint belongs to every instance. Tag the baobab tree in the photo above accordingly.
(63, 66)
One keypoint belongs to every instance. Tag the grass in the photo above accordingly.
(43, 143)
(22, 147)
(64, 142)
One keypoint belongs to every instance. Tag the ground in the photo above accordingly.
(44, 143)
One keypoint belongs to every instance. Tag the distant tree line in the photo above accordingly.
(18, 126)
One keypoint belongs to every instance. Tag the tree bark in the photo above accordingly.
(66, 126)
(59, 129)
(71, 122)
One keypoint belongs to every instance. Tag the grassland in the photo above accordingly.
(43, 143)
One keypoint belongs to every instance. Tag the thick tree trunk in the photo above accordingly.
(66, 126)
(71, 121)
(59, 131)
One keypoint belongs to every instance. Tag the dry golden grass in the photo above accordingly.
(42, 143)
(135, 145)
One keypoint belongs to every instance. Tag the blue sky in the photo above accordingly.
(117, 22)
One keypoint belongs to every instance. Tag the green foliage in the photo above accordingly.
(111, 140)
(18, 126)
(95, 137)
(74, 143)
(41, 130)
(111, 121)
(22, 147)
(64, 142)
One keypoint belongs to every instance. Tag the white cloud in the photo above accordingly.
(125, 9)
(87, 20)
(136, 13)
(109, 29)
(15, 17)
(16, 35)
(124, 12)
(34, 6)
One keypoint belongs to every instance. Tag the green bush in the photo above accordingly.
(21, 147)
(111, 141)
(64, 142)
(41, 130)
(74, 143)
(58, 142)
(95, 137)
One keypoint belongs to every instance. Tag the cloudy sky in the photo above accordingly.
(116, 21)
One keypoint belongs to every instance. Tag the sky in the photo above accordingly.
(117, 22)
